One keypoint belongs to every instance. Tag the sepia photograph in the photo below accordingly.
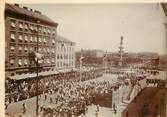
(85, 60)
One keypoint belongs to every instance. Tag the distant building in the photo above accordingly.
(25, 31)
(91, 57)
(99, 53)
(93, 53)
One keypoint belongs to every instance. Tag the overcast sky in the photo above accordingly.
(100, 26)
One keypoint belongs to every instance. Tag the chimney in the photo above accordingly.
(16, 5)
(25, 8)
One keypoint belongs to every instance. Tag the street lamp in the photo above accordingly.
(35, 56)
(37, 67)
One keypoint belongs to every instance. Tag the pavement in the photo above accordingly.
(103, 112)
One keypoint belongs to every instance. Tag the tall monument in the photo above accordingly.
(121, 52)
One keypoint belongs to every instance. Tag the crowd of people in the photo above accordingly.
(18, 90)
(72, 98)
(66, 95)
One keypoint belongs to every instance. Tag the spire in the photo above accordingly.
(121, 51)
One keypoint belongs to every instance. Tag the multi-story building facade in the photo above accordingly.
(65, 53)
(27, 31)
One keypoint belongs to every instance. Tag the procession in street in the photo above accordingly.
(67, 96)
(46, 77)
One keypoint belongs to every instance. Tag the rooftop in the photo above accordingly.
(16, 8)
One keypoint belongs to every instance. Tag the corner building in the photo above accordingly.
(25, 29)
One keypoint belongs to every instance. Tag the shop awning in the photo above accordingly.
(27, 76)
(41, 74)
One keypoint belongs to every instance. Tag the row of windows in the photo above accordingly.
(62, 64)
(30, 38)
(65, 49)
(65, 56)
(31, 27)
(27, 49)
(24, 62)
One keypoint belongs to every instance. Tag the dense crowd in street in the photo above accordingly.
(21, 90)
(65, 95)
(72, 98)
